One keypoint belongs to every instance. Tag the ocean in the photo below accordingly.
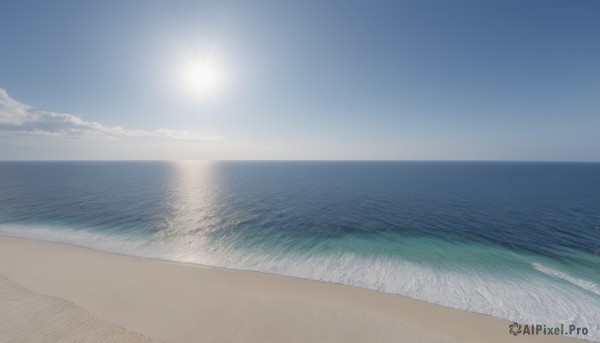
(515, 240)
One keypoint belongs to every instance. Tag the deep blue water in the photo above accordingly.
(516, 240)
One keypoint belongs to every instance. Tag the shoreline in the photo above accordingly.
(141, 298)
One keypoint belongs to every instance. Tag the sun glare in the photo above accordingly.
(203, 77)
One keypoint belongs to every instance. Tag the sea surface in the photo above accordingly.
(515, 240)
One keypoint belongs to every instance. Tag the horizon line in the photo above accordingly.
(299, 160)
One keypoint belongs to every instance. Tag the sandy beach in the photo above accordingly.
(59, 293)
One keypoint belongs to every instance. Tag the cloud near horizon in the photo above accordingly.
(19, 118)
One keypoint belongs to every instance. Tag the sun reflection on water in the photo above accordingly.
(193, 199)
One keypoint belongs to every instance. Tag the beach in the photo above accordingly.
(82, 294)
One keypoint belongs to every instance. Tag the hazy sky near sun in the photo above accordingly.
(508, 80)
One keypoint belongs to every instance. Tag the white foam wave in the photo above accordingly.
(585, 284)
(114, 244)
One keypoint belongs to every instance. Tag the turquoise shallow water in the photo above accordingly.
(519, 241)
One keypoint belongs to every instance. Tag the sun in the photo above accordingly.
(203, 77)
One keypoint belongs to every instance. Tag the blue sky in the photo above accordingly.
(481, 80)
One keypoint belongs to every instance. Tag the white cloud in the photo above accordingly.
(16, 117)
